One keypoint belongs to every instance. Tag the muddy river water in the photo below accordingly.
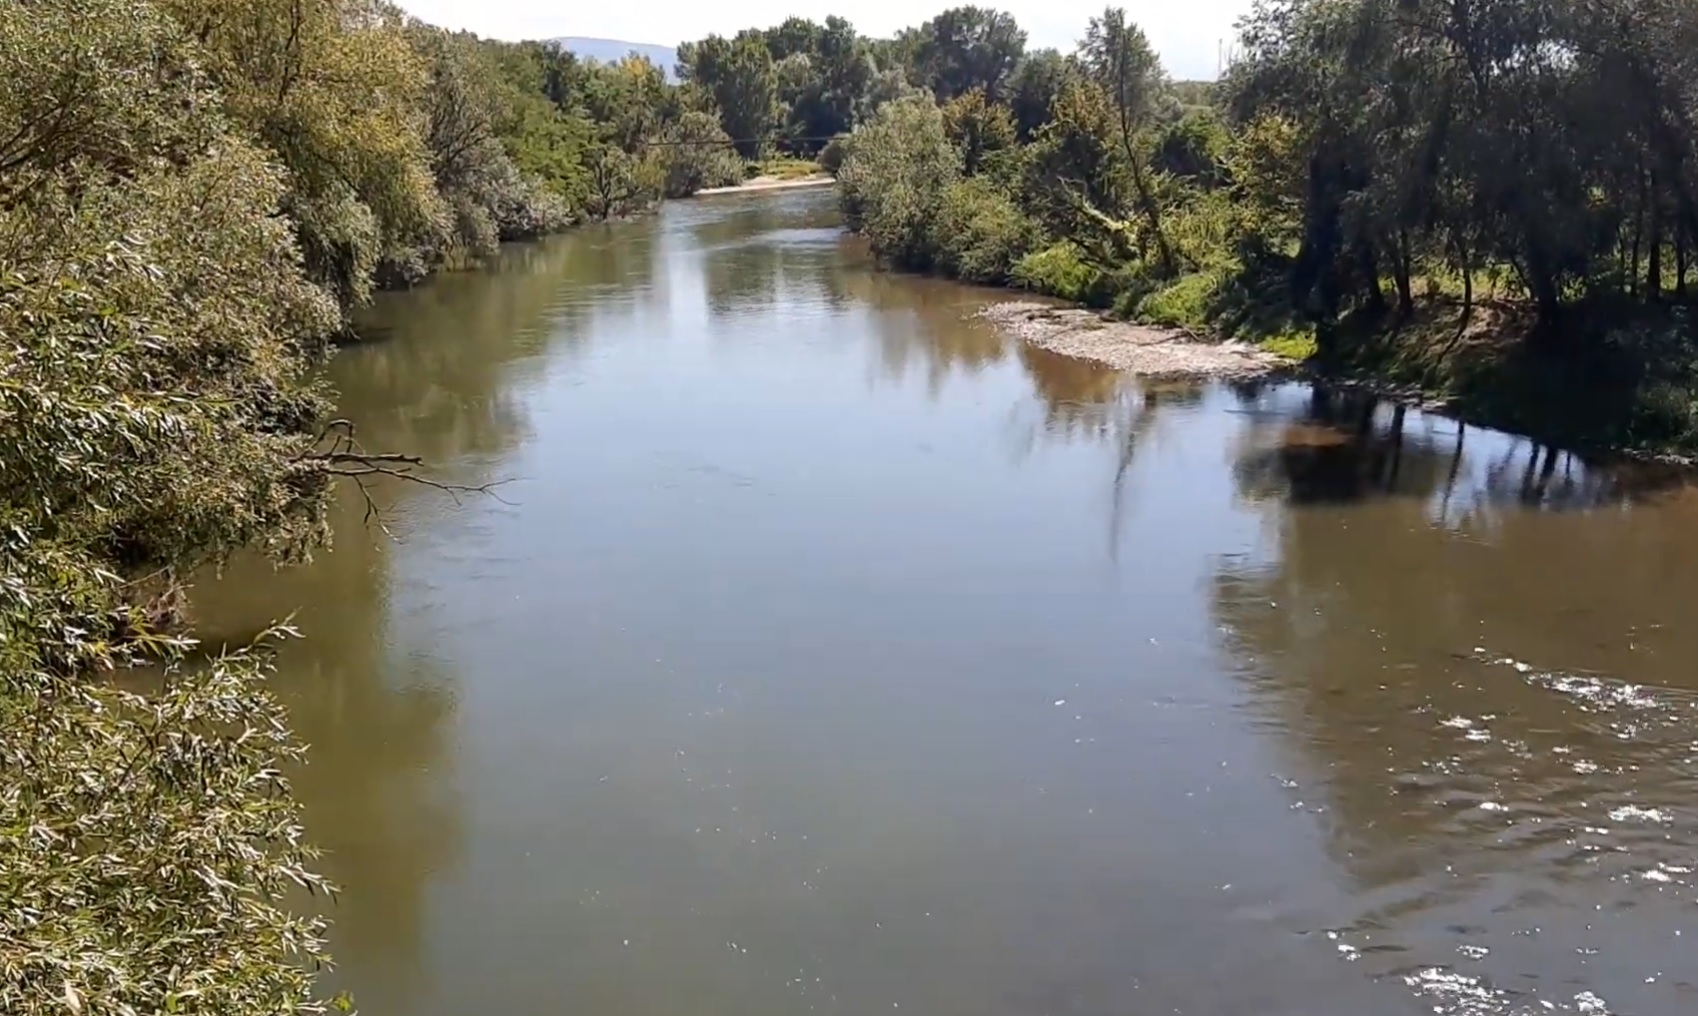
(825, 652)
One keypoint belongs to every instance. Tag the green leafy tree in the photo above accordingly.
(965, 48)
(1119, 58)
(896, 171)
(157, 413)
(740, 75)
(977, 128)
(334, 89)
(696, 154)
(1077, 181)
(1032, 89)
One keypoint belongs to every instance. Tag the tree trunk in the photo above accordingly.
(1403, 270)
(1638, 238)
(1541, 281)
(1654, 264)
(1464, 261)
(1680, 262)
(1319, 249)
(1141, 182)
(1370, 267)
(1152, 214)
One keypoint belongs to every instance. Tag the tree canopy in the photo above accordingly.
(1364, 168)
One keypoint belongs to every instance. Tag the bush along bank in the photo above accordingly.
(1509, 236)
(194, 194)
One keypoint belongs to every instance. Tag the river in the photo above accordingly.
(820, 651)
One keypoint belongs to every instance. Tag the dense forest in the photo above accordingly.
(197, 196)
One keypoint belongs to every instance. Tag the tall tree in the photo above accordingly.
(1033, 87)
(1119, 57)
(966, 48)
(740, 75)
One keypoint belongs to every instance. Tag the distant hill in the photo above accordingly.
(613, 50)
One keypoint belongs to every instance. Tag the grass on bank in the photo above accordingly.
(783, 167)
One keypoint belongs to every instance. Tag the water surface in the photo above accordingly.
(823, 652)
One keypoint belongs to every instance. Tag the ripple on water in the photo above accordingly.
(1561, 826)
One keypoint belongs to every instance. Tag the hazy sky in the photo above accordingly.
(1186, 32)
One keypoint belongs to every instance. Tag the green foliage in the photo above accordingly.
(977, 128)
(695, 154)
(1059, 270)
(1185, 303)
(157, 412)
(153, 845)
(1077, 181)
(1037, 80)
(337, 93)
(893, 180)
(979, 234)
(1361, 158)
(1194, 148)
(619, 183)
(967, 48)
(1296, 346)
(832, 155)
(742, 76)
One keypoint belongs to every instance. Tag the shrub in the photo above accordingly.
(1058, 270)
(162, 842)
(832, 155)
(979, 234)
(1185, 303)
(696, 154)
(893, 180)
(978, 128)
(157, 412)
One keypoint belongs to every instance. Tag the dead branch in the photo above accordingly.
(344, 457)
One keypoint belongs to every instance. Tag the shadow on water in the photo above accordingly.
(373, 789)
(1347, 445)
(373, 687)
(1475, 649)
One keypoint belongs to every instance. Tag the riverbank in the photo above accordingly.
(1607, 380)
(767, 183)
(1630, 398)
(1582, 337)
(1147, 350)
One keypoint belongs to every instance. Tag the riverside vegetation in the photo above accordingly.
(195, 196)
(1494, 202)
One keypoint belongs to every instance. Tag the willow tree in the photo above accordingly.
(157, 412)
(336, 91)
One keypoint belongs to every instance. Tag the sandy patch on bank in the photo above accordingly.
(764, 183)
(1135, 348)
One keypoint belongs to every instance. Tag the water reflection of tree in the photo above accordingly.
(924, 325)
(375, 715)
(1398, 551)
(767, 276)
(1348, 446)
(765, 254)
(367, 688)
(432, 379)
